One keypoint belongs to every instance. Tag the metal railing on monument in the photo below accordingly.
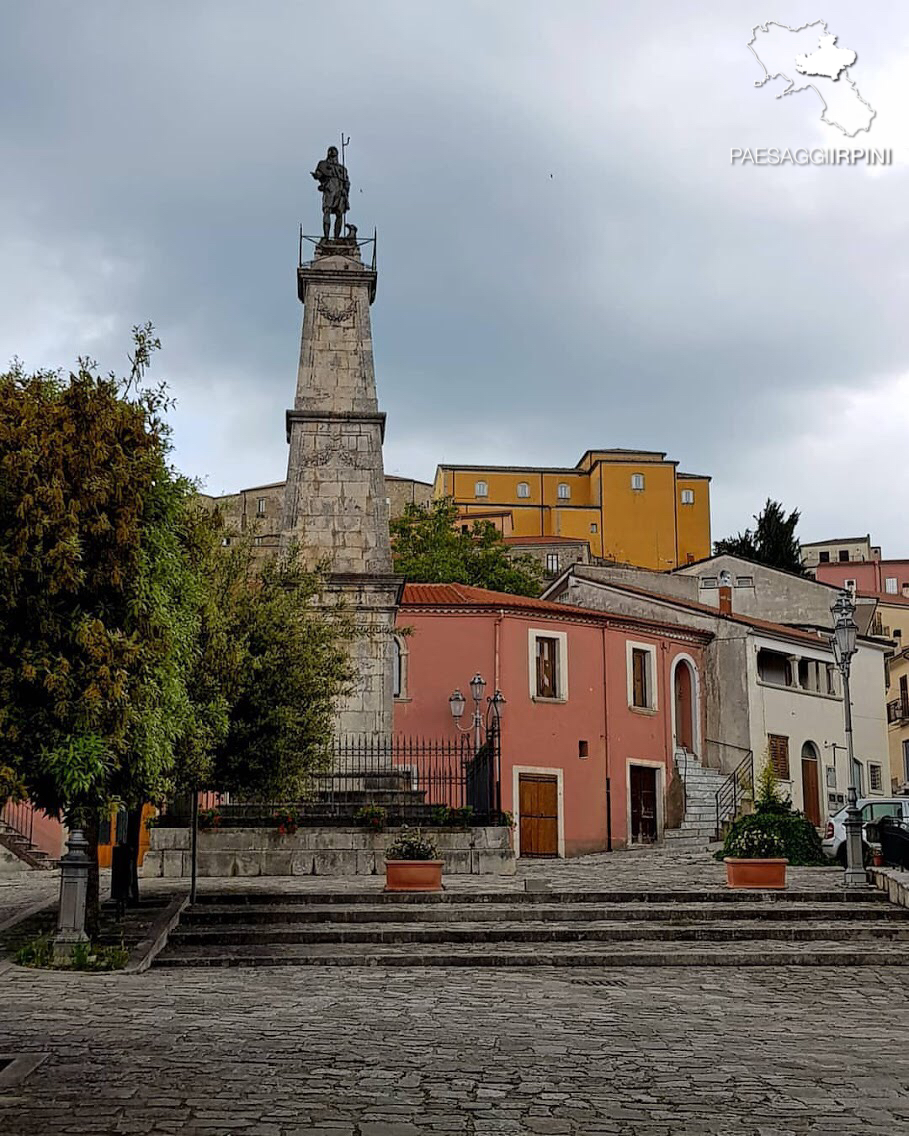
(414, 780)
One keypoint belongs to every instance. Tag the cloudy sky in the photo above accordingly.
(567, 259)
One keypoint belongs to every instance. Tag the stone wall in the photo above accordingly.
(481, 850)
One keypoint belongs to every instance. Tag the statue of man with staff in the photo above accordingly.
(334, 186)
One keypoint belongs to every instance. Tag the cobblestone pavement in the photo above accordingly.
(382, 1053)
(23, 891)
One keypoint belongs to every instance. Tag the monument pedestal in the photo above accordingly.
(335, 503)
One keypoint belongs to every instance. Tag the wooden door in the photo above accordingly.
(642, 782)
(539, 814)
(684, 724)
(811, 789)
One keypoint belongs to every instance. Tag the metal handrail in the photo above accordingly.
(897, 710)
(734, 788)
(20, 817)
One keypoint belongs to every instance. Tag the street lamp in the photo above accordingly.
(843, 641)
(485, 793)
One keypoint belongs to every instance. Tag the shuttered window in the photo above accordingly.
(778, 746)
(547, 667)
(639, 684)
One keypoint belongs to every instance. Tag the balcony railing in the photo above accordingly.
(898, 711)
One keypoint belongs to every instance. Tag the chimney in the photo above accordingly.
(725, 593)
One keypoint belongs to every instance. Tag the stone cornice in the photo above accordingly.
(292, 416)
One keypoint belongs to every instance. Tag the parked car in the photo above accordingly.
(872, 808)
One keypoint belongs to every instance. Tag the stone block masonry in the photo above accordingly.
(482, 850)
(334, 502)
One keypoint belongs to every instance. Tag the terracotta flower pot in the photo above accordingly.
(413, 875)
(769, 873)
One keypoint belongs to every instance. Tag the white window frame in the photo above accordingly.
(638, 482)
(563, 491)
(481, 489)
(533, 634)
(894, 590)
(523, 489)
(552, 562)
(261, 504)
(651, 679)
(880, 774)
(399, 642)
(687, 496)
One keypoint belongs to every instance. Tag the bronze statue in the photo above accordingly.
(334, 186)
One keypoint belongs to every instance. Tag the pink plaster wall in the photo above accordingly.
(446, 648)
(869, 576)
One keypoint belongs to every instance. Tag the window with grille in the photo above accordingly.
(640, 678)
(564, 491)
(778, 747)
(844, 555)
(523, 489)
(875, 777)
(481, 489)
(547, 667)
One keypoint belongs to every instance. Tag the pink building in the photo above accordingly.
(868, 577)
(596, 706)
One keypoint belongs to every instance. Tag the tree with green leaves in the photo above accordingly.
(430, 546)
(772, 541)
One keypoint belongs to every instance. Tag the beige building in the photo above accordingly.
(260, 508)
(892, 623)
(839, 550)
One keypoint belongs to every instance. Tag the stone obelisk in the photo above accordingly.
(335, 498)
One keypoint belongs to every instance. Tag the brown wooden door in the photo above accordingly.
(539, 812)
(642, 782)
(811, 789)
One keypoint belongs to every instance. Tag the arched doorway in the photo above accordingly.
(811, 783)
(685, 707)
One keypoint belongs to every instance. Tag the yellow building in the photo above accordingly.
(891, 620)
(632, 506)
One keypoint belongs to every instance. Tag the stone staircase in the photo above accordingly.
(572, 929)
(698, 829)
(22, 848)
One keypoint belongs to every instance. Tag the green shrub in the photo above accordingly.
(411, 844)
(373, 817)
(444, 816)
(39, 954)
(775, 830)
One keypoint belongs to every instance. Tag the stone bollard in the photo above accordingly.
(73, 886)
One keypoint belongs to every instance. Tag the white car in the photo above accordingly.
(872, 808)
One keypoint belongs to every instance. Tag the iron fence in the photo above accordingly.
(20, 817)
(413, 780)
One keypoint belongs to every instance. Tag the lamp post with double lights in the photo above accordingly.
(843, 641)
(484, 730)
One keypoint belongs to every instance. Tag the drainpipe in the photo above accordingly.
(603, 631)
(497, 677)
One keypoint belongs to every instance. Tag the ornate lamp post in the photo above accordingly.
(843, 641)
(484, 728)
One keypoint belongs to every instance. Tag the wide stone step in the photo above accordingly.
(375, 896)
(634, 953)
(209, 916)
(235, 935)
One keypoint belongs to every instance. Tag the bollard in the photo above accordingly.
(73, 886)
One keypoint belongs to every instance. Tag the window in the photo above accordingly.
(547, 667)
(708, 581)
(523, 489)
(773, 667)
(687, 496)
(850, 584)
(593, 527)
(823, 557)
(398, 667)
(875, 777)
(859, 777)
(778, 750)
(481, 489)
(844, 555)
(831, 776)
(583, 749)
(563, 491)
(890, 585)
(637, 481)
(642, 678)
(260, 507)
(744, 581)
(906, 760)
(552, 562)
(259, 541)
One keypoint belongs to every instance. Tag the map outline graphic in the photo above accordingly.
(793, 89)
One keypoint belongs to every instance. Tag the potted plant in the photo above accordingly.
(412, 863)
(754, 855)
(373, 817)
